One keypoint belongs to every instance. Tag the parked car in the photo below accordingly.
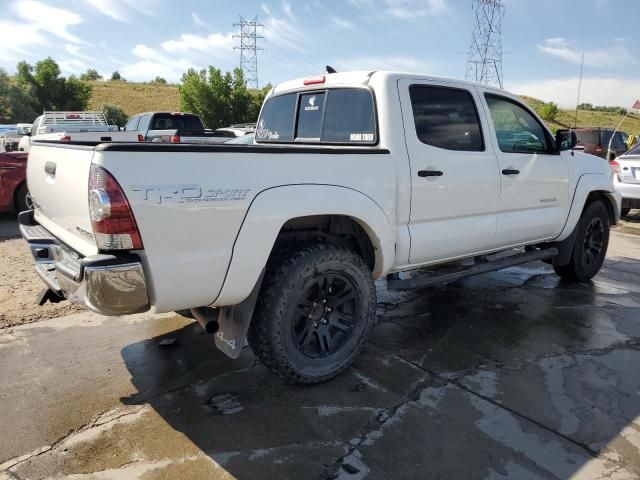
(596, 141)
(626, 179)
(239, 130)
(9, 140)
(280, 242)
(66, 122)
(173, 127)
(14, 196)
(246, 139)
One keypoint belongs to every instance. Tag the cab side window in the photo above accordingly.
(516, 129)
(132, 125)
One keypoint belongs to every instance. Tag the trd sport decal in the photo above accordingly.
(190, 193)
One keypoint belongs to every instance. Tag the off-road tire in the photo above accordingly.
(624, 212)
(22, 201)
(271, 334)
(584, 265)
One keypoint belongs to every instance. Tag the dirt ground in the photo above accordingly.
(19, 283)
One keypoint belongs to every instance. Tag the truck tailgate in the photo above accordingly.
(58, 177)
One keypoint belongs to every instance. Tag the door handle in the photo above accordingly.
(430, 173)
(50, 168)
(508, 171)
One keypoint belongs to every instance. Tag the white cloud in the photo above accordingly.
(598, 91)
(18, 38)
(125, 10)
(48, 19)
(613, 55)
(403, 9)
(283, 31)
(218, 45)
(152, 63)
(198, 22)
(343, 23)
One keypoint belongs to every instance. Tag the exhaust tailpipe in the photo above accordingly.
(207, 317)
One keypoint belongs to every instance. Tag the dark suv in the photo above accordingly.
(596, 141)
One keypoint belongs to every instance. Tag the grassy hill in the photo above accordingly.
(139, 97)
(135, 97)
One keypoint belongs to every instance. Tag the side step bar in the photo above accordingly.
(435, 279)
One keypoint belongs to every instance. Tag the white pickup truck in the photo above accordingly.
(353, 177)
(67, 124)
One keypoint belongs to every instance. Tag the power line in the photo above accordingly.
(248, 35)
(484, 59)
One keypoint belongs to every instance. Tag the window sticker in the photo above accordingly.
(361, 137)
(311, 107)
(266, 134)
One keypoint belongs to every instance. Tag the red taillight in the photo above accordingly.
(175, 138)
(140, 138)
(66, 138)
(314, 80)
(598, 150)
(615, 167)
(113, 224)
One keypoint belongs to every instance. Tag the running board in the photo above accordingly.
(435, 279)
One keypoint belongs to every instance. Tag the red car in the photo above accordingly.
(14, 195)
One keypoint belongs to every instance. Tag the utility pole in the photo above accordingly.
(484, 60)
(248, 35)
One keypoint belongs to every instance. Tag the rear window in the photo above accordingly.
(333, 116)
(589, 137)
(167, 121)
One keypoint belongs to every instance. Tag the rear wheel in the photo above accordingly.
(313, 314)
(591, 244)
(23, 199)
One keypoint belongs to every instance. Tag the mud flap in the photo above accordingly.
(565, 248)
(234, 323)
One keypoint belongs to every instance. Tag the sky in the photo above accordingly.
(543, 40)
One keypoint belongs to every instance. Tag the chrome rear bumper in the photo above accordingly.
(105, 284)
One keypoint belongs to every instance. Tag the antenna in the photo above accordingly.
(484, 60)
(248, 35)
(575, 123)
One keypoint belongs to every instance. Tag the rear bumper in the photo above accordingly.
(105, 284)
(630, 194)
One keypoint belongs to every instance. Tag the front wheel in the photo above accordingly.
(591, 244)
(313, 314)
(23, 200)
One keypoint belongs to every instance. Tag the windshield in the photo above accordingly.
(168, 121)
(634, 151)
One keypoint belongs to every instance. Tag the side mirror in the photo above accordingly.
(565, 140)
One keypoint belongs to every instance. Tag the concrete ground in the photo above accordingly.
(507, 375)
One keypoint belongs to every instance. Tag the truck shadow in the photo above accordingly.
(8, 226)
(558, 359)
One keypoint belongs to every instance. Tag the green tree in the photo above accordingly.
(48, 90)
(90, 75)
(5, 86)
(159, 81)
(257, 99)
(116, 77)
(114, 114)
(219, 99)
(548, 111)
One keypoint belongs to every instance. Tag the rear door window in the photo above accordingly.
(332, 116)
(446, 118)
(144, 123)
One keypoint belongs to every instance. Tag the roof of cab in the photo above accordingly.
(362, 77)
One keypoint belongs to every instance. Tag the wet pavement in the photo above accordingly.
(513, 374)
